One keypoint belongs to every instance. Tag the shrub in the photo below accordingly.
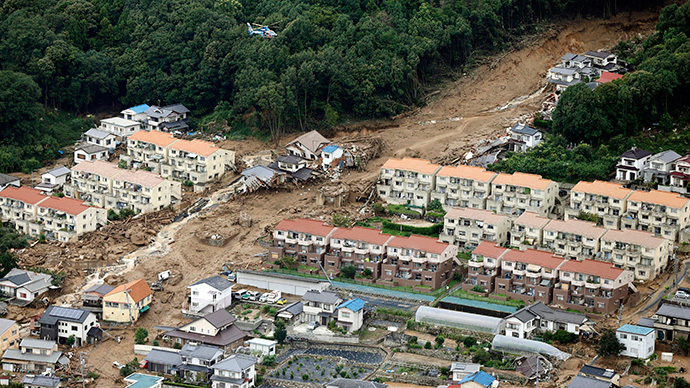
(469, 342)
(609, 345)
(481, 356)
(188, 183)
(177, 345)
(305, 377)
(140, 336)
(427, 345)
(477, 288)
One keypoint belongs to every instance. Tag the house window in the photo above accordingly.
(345, 315)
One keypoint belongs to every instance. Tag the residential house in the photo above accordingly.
(214, 329)
(111, 187)
(528, 230)
(304, 239)
(90, 152)
(237, 371)
(352, 383)
(141, 380)
(290, 313)
(407, 181)
(523, 137)
(601, 199)
(9, 334)
(640, 252)
(351, 315)
(365, 248)
(638, 341)
(608, 375)
(529, 275)
(484, 266)
(672, 321)
(136, 113)
(195, 160)
(580, 381)
(61, 323)
(666, 168)
(9, 180)
(332, 157)
(591, 285)
(293, 166)
(663, 213)
(92, 298)
(100, 138)
(167, 118)
(198, 361)
(122, 128)
(319, 306)
(538, 317)
(418, 261)
(53, 179)
(462, 186)
(573, 239)
(33, 356)
(40, 381)
(209, 295)
(479, 379)
(632, 164)
(516, 193)
(307, 146)
(467, 227)
(262, 346)
(254, 178)
(462, 369)
(563, 77)
(166, 361)
(125, 303)
(680, 171)
(602, 59)
(25, 286)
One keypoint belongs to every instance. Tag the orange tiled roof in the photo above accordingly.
(68, 205)
(412, 164)
(520, 179)
(593, 267)
(531, 220)
(467, 172)
(635, 237)
(534, 256)
(137, 290)
(359, 233)
(660, 198)
(577, 227)
(420, 243)
(489, 249)
(158, 138)
(475, 214)
(24, 194)
(305, 225)
(607, 189)
(196, 146)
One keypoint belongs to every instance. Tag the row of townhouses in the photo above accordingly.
(106, 185)
(414, 261)
(535, 275)
(34, 213)
(195, 160)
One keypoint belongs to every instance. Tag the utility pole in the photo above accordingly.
(620, 314)
(81, 364)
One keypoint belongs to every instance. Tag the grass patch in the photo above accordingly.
(402, 209)
(466, 295)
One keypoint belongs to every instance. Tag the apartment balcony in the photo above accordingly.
(475, 264)
(577, 283)
(594, 286)
(519, 272)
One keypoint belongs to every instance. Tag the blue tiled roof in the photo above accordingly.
(330, 148)
(353, 304)
(480, 377)
(634, 329)
(140, 108)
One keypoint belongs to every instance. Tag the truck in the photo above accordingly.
(274, 296)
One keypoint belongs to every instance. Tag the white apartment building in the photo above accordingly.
(528, 230)
(463, 186)
(573, 239)
(660, 212)
(639, 252)
(106, 185)
(209, 295)
(467, 227)
(195, 160)
(407, 181)
(61, 219)
(639, 341)
(122, 128)
(603, 199)
(516, 193)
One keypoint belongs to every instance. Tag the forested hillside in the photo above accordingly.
(366, 58)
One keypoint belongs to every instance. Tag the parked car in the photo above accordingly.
(281, 301)
(682, 294)
(264, 297)
(312, 325)
(238, 294)
(253, 295)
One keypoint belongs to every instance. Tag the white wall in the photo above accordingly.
(637, 346)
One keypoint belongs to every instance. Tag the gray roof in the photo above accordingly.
(674, 311)
(588, 382)
(262, 172)
(179, 108)
(311, 141)
(224, 379)
(524, 315)
(568, 57)
(646, 322)
(329, 297)
(56, 313)
(36, 343)
(16, 354)
(90, 148)
(236, 363)
(41, 381)
(6, 179)
(598, 54)
(219, 318)
(157, 111)
(17, 277)
(524, 129)
(59, 171)
(562, 70)
(581, 58)
(352, 383)
(100, 289)
(97, 133)
(216, 282)
(599, 372)
(465, 367)
(202, 352)
(635, 153)
(224, 338)
(38, 282)
(163, 357)
(667, 156)
(544, 312)
(5, 324)
(291, 159)
(294, 308)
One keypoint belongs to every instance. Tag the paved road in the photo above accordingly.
(661, 292)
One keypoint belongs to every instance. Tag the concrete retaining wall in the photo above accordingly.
(288, 284)
(144, 350)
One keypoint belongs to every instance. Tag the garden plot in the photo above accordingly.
(319, 369)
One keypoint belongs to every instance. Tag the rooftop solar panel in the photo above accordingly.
(67, 313)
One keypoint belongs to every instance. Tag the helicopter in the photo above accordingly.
(262, 31)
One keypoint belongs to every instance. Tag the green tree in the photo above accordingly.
(469, 341)
(140, 336)
(440, 339)
(19, 107)
(427, 345)
(609, 345)
(481, 356)
(579, 115)
(341, 220)
(348, 271)
(683, 344)
(70, 340)
(280, 332)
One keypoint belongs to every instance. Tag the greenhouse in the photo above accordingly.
(460, 320)
(502, 343)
